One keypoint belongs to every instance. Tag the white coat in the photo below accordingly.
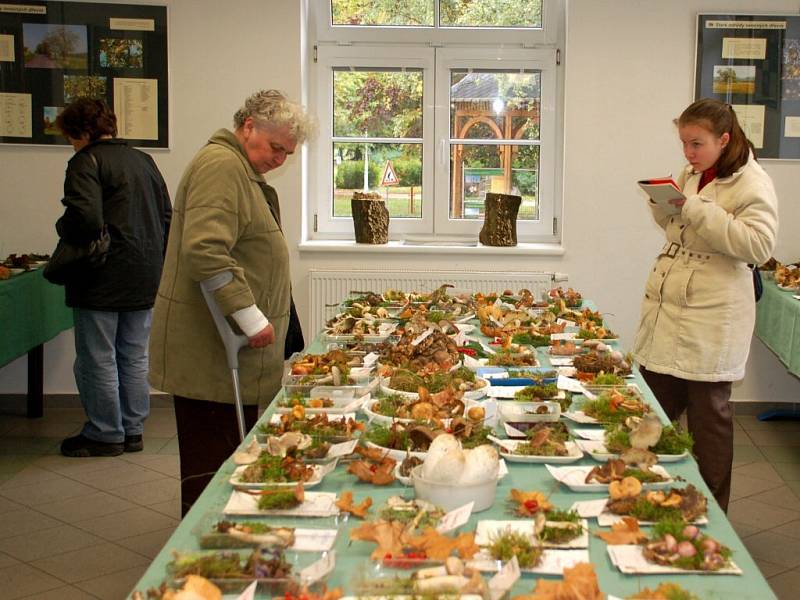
(698, 311)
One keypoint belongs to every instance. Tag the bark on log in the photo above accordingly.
(370, 218)
(500, 220)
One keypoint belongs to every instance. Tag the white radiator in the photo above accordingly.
(329, 287)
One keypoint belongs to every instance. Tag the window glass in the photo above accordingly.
(410, 13)
(490, 13)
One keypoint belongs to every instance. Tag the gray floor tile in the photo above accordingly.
(147, 544)
(740, 438)
(171, 508)
(24, 580)
(153, 445)
(759, 470)
(155, 492)
(164, 428)
(769, 569)
(743, 455)
(127, 524)
(47, 542)
(29, 475)
(98, 504)
(767, 437)
(71, 467)
(12, 464)
(780, 454)
(758, 514)
(794, 486)
(89, 563)
(744, 530)
(163, 463)
(788, 471)
(49, 491)
(63, 593)
(7, 505)
(171, 447)
(29, 445)
(774, 547)
(116, 585)
(743, 486)
(120, 475)
(792, 529)
(36, 428)
(7, 561)
(786, 584)
(751, 423)
(64, 415)
(25, 520)
(782, 496)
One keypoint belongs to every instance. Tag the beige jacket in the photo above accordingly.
(221, 222)
(698, 310)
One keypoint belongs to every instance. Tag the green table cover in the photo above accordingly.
(32, 311)
(352, 559)
(778, 324)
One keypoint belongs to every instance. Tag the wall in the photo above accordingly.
(622, 92)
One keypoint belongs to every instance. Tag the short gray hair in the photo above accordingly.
(270, 107)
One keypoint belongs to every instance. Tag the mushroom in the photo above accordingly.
(647, 432)
(644, 459)
(421, 436)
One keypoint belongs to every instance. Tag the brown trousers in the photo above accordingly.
(207, 435)
(710, 420)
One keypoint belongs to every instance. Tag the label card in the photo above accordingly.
(505, 579)
(455, 518)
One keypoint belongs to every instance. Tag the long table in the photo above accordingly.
(778, 324)
(352, 559)
(32, 312)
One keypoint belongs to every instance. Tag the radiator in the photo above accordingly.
(329, 287)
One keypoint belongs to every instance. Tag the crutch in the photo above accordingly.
(232, 341)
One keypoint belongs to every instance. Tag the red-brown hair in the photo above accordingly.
(87, 116)
(720, 118)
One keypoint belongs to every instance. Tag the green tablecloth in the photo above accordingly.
(32, 311)
(778, 324)
(353, 559)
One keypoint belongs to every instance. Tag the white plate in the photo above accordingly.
(507, 392)
(574, 477)
(575, 454)
(340, 406)
(501, 472)
(475, 394)
(598, 451)
(316, 504)
(398, 455)
(487, 529)
(553, 562)
(525, 412)
(590, 434)
(319, 473)
(578, 416)
(629, 559)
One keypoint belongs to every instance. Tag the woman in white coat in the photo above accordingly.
(698, 310)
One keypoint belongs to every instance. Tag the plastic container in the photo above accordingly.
(451, 496)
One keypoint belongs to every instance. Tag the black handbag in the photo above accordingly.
(758, 285)
(69, 260)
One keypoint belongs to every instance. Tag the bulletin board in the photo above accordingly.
(752, 62)
(54, 52)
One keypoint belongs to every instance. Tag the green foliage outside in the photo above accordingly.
(477, 13)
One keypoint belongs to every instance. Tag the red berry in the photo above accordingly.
(531, 505)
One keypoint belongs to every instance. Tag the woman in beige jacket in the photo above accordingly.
(698, 310)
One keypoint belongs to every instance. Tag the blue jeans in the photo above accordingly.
(111, 372)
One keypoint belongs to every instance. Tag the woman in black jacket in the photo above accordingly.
(109, 183)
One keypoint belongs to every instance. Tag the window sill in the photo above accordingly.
(400, 247)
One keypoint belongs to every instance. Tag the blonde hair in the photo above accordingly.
(271, 108)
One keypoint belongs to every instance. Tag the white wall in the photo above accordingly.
(629, 73)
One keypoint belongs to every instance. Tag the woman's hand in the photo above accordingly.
(263, 338)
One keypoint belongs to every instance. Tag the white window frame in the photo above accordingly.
(543, 61)
(330, 56)
(436, 50)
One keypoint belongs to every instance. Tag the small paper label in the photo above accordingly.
(370, 358)
(567, 335)
(561, 361)
(505, 444)
(513, 431)
(566, 322)
(249, 593)
(570, 384)
(455, 518)
(132, 24)
(25, 9)
(421, 337)
(588, 509)
(342, 449)
(505, 579)
(316, 571)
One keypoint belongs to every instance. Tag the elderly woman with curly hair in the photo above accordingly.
(226, 228)
(110, 184)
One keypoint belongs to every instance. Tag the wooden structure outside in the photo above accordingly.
(468, 114)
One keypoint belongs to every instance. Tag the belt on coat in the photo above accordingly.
(674, 249)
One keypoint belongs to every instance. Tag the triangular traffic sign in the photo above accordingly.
(389, 176)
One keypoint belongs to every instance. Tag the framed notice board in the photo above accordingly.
(752, 62)
(54, 52)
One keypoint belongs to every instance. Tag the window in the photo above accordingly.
(431, 104)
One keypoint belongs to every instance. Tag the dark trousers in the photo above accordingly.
(710, 421)
(207, 435)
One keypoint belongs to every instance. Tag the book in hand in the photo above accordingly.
(661, 190)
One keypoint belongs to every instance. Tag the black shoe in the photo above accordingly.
(134, 443)
(80, 446)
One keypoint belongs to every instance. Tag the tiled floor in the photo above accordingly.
(76, 529)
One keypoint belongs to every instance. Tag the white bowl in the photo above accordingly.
(451, 496)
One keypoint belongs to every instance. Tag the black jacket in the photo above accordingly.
(122, 188)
